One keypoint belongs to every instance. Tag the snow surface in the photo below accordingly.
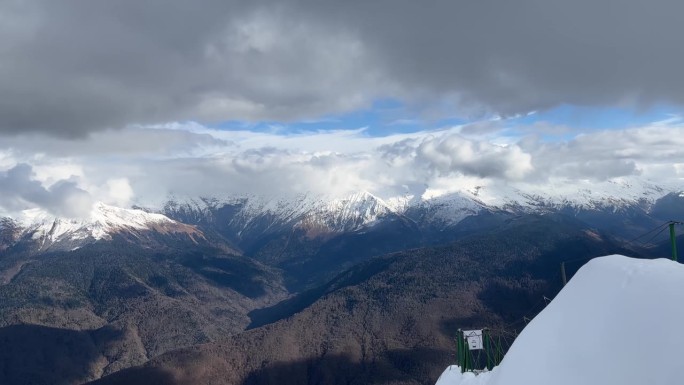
(453, 376)
(325, 211)
(586, 194)
(352, 212)
(618, 321)
(103, 221)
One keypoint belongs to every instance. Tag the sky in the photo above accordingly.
(132, 102)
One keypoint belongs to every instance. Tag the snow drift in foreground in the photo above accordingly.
(618, 321)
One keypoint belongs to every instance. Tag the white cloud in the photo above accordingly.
(455, 154)
(190, 159)
(119, 191)
(52, 170)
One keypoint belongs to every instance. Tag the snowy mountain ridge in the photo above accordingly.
(332, 213)
(102, 223)
(327, 212)
(616, 193)
(363, 208)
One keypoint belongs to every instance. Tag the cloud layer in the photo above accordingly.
(70, 68)
(192, 160)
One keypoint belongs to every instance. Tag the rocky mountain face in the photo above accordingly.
(313, 289)
(9, 232)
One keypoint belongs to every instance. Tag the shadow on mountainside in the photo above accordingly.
(36, 355)
(401, 366)
(354, 276)
(396, 367)
(144, 375)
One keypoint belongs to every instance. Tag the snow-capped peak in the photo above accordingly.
(586, 194)
(102, 222)
(349, 213)
(317, 213)
(106, 219)
(331, 213)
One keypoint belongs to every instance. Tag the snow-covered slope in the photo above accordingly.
(348, 213)
(444, 210)
(104, 221)
(584, 194)
(309, 211)
(333, 213)
(618, 321)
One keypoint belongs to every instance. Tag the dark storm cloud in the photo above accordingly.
(69, 67)
(518, 56)
(19, 190)
(119, 143)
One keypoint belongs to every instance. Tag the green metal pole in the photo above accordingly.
(484, 343)
(673, 240)
(461, 353)
(466, 355)
(458, 348)
(488, 349)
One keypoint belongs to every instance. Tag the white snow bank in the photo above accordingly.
(618, 321)
(453, 376)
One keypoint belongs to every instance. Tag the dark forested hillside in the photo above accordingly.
(391, 319)
(70, 316)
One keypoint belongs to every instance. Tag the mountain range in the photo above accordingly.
(249, 289)
(244, 221)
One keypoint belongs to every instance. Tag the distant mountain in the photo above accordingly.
(42, 232)
(258, 226)
(245, 218)
(669, 207)
(312, 238)
(246, 221)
